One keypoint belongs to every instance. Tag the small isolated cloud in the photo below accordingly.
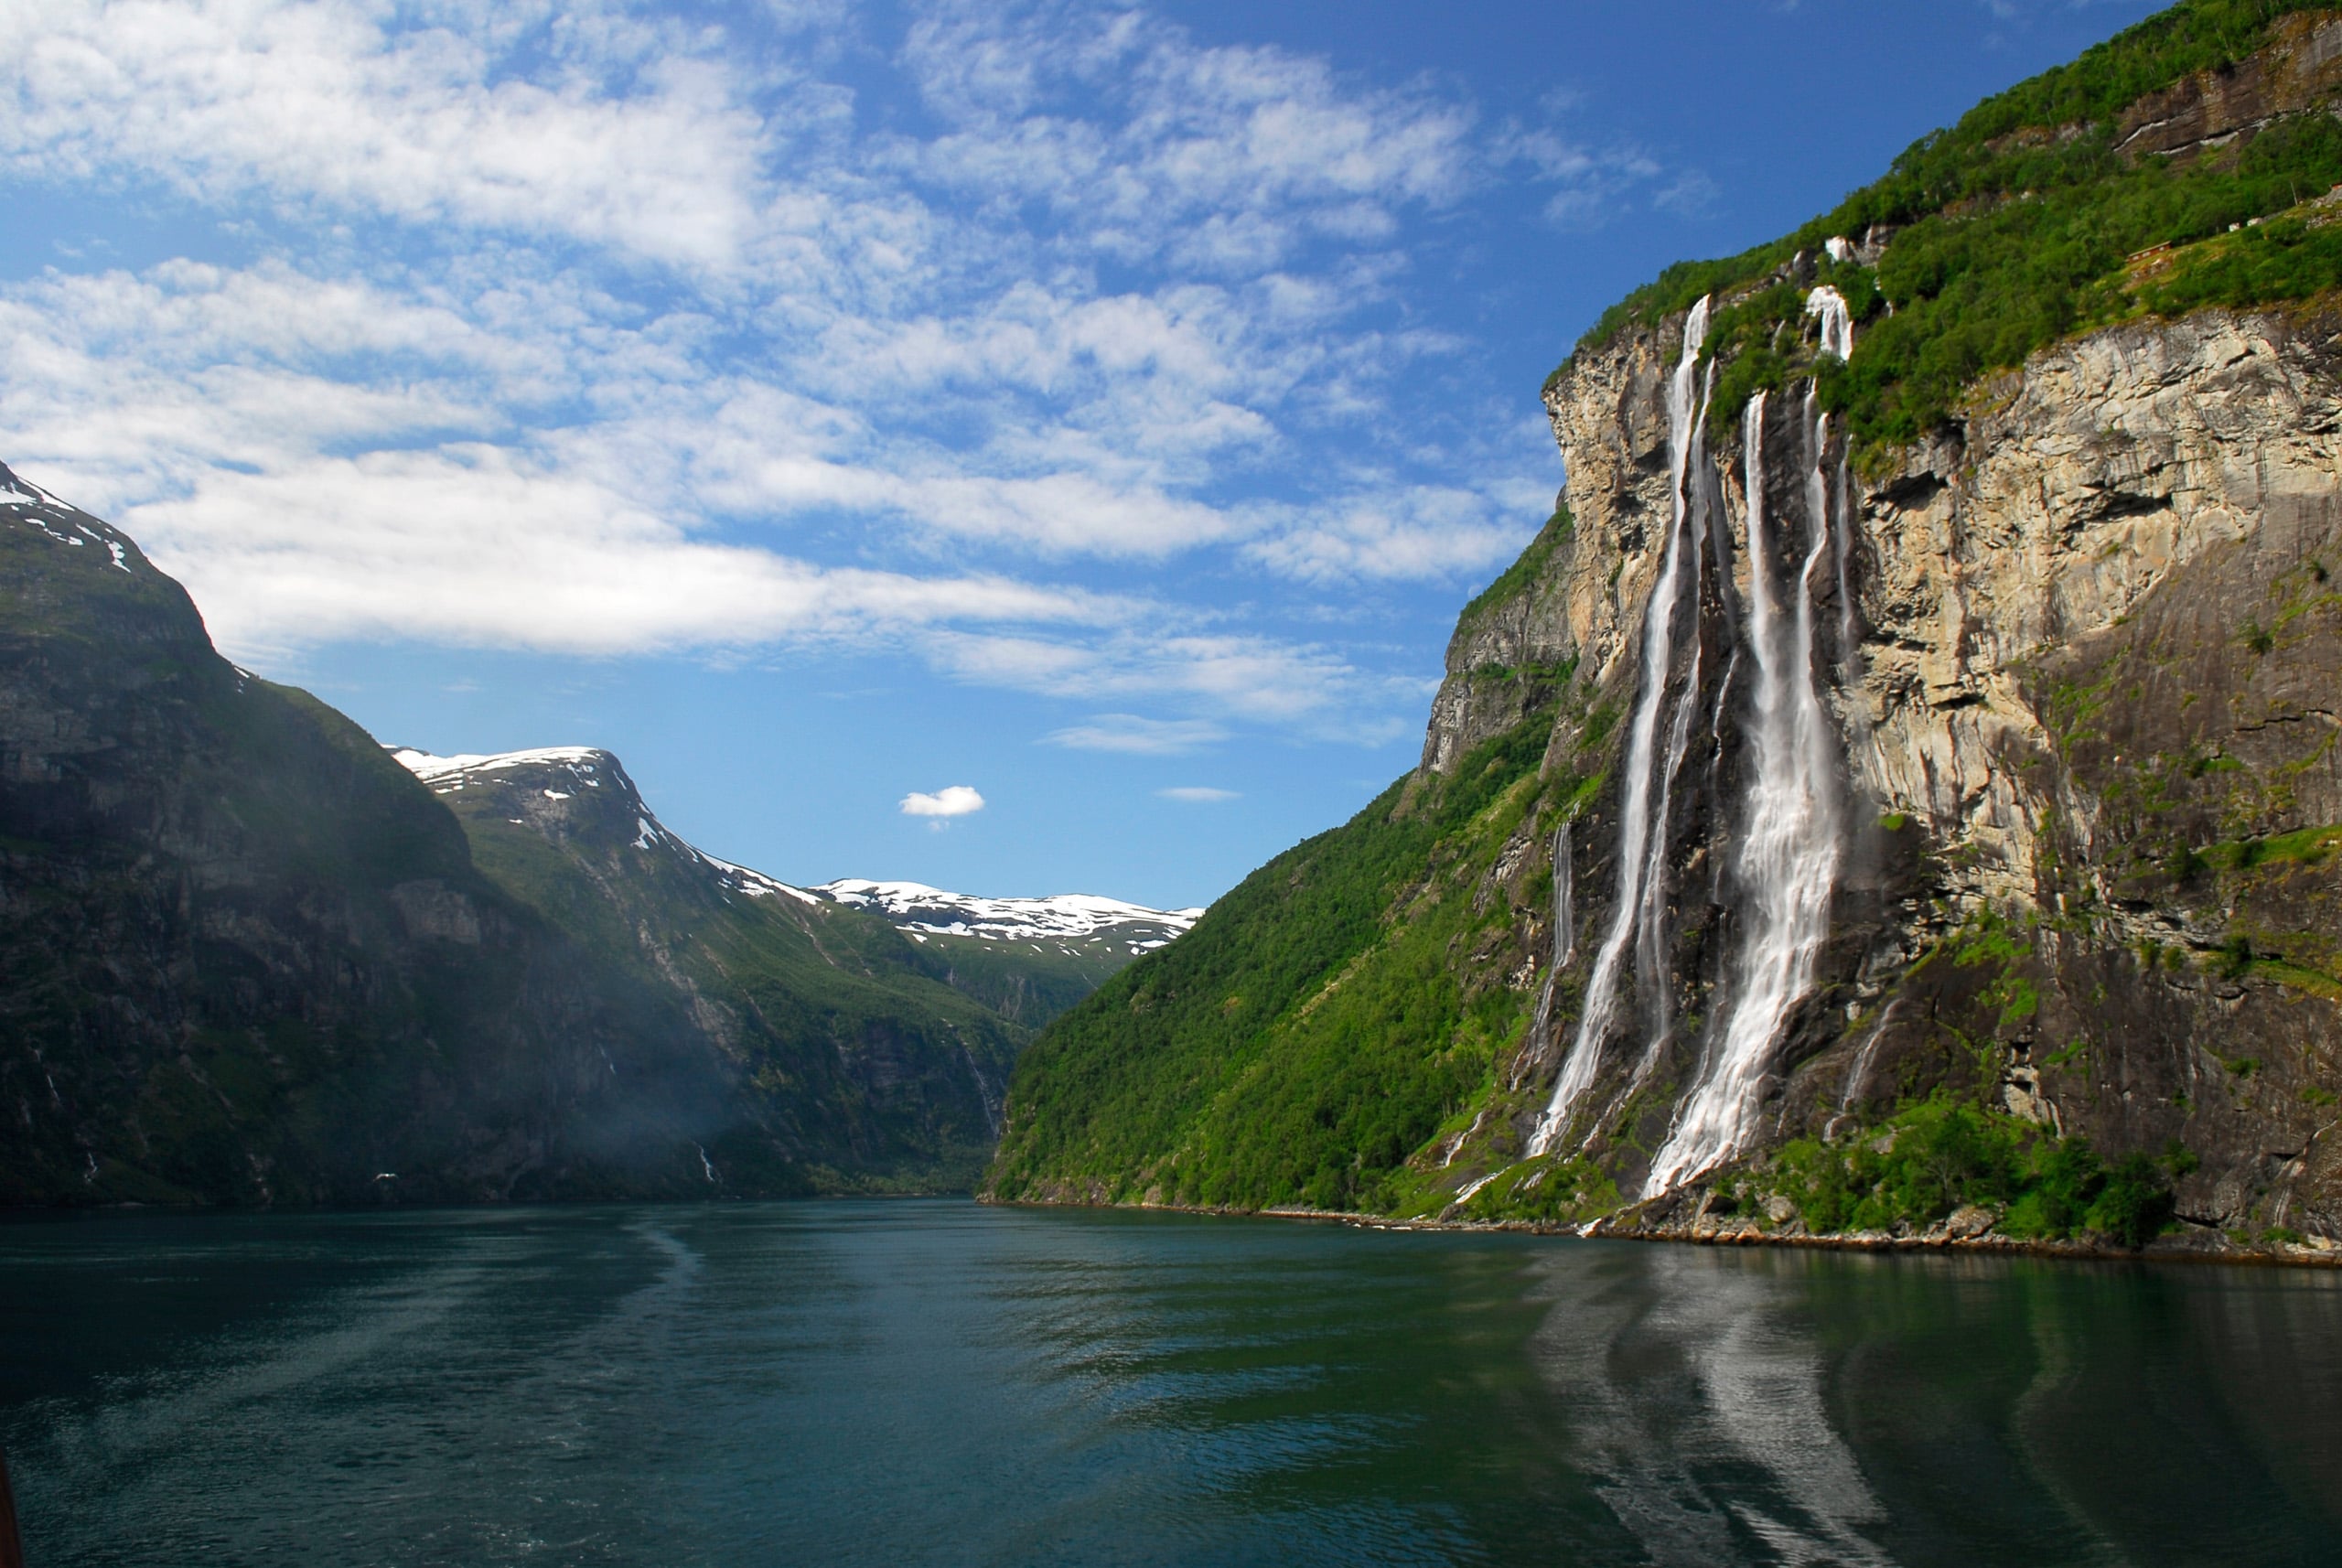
(1198, 794)
(956, 800)
(1138, 736)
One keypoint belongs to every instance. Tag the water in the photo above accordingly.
(932, 1382)
(1786, 858)
(1642, 836)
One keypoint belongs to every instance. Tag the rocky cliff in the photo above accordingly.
(1894, 794)
(2086, 724)
(248, 958)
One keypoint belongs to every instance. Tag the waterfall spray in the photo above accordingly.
(1788, 859)
(1636, 823)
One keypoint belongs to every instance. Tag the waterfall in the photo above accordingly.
(1565, 895)
(1637, 854)
(1787, 863)
(1838, 338)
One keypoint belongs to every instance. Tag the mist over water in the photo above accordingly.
(933, 1383)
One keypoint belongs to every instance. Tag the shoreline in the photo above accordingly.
(2196, 1244)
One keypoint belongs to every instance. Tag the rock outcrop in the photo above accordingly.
(248, 959)
(2089, 713)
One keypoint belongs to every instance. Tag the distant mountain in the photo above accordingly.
(846, 1037)
(1028, 958)
(247, 958)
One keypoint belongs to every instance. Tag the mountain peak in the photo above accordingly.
(1064, 916)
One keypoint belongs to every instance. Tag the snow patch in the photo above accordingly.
(1065, 916)
(431, 769)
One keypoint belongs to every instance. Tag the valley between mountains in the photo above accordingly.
(251, 957)
(1894, 800)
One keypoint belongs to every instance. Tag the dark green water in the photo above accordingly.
(934, 1382)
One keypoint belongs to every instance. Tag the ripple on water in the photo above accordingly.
(932, 1382)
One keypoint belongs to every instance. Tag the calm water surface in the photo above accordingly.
(933, 1383)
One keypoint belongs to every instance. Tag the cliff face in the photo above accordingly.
(2088, 707)
(841, 1044)
(245, 958)
(1931, 840)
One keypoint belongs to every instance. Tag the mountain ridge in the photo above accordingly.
(1834, 830)
(1024, 959)
(249, 958)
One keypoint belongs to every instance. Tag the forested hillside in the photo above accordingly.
(1892, 796)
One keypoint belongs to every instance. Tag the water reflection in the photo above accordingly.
(936, 1383)
(1828, 1408)
(1697, 1407)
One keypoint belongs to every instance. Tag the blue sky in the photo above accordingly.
(1100, 408)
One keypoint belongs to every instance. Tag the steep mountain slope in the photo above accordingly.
(844, 1041)
(244, 958)
(1896, 794)
(247, 958)
(1029, 959)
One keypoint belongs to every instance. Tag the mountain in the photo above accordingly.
(843, 1040)
(248, 958)
(1896, 796)
(1029, 959)
(1026, 960)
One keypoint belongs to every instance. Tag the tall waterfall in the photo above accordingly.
(1641, 853)
(1837, 338)
(1565, 899)
(1787, 860)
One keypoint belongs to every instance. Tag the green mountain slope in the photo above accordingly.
(247, 958)
(845, 1041)
(1316, 1026)
(2020, 224)
(2076, 975)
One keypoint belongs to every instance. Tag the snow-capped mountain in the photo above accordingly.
(552, 774)
(1027, 958)
(1065, 922)
(1064, 918)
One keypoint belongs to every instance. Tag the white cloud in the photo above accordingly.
(953, 801)
(627, 133)
(568, 328)
(1414, 533)
(1129, 733)
(474, 547)
(1198, 794)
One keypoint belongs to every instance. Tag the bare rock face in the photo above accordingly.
(2302, 68)
(2088, 720)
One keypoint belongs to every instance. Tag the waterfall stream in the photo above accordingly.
(1565, 895)
(1786, 859)
(1638, 854)
(1783, 867)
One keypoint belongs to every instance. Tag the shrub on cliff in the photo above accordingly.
(2015, 227)
(1941, 1155)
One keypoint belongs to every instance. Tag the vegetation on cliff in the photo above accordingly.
(1317, 1025)
(2026, 222)
(1942, 1068)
